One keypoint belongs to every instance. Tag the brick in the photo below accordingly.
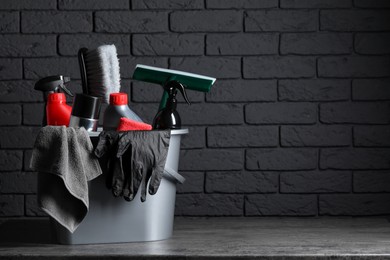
(56, 22)
(32, 208)
(315, 182)
(194, 183)
(315, 136)
(131, 62)
(279, 67)
(147, 112)
(10, 114)
(280, 205)
(227, 67)
(372, 4)
(17, 137)
(354, 204)
(371, 135)
(281, 113)
(355, 158)
(18, 182)
(146, 92)
(167, 44)
(242, 44)
(211, 159)
(281, 21)
(28, 5)
(9, 22)
(11, 69)
(356, 112)
(371, 181)
(93, 4)
(241, 4)
(242, 136)
(36, 68)
(313, 90)
(316, 43)
(195, 139)
(11, 205)
(11, 160)
(167, 4)
(372, 43)
(211, 114)
(281, 159)
(315, 3)
(353, 67)
(69, 44)
(33, 114)
(242, 91)
(371, 89)
(209, 205)
(242, 182)
(354, 20)
(128, 21)
(26, 160)
(206, 21)
(27, 45)
(19, 91)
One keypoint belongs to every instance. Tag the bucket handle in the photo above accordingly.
(174, 174)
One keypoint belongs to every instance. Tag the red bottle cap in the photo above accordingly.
(118, 99)
(56, 98)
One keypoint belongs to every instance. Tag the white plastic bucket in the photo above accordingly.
(115, 220)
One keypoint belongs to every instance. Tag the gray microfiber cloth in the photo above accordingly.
(64, 159)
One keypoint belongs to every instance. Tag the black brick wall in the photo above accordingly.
(298, 123)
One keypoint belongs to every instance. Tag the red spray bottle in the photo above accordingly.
(57, 111)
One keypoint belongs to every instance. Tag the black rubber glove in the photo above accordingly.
(145, 154)
(106, 151)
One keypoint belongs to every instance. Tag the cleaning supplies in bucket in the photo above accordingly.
(115, 220)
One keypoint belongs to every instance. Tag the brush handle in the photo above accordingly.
(83, 72)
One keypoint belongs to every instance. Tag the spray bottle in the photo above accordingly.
(50, 85)
(168, 117)
(57, 111)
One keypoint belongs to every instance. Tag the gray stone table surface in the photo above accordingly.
(218, 238)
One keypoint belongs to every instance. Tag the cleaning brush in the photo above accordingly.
(99, 69)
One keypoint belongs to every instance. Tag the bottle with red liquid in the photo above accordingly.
(57, 111)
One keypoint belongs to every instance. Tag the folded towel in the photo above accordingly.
(65, 162)
(126, 124)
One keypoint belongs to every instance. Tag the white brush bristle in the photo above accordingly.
(102, 66)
